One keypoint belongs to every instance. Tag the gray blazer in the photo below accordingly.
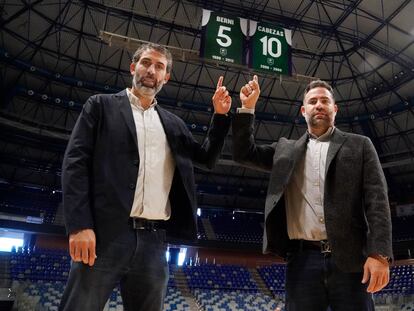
(357, 213)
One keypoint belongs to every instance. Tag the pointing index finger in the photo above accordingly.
(220, 82)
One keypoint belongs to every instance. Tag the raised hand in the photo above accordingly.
(249, 93)
(82, 246)
(221, 98)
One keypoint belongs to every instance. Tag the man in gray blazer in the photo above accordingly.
(327, 209)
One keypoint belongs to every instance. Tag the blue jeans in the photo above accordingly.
(135, 260)
(314, 283)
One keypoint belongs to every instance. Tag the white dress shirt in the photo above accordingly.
(304, 196)
(156, 164)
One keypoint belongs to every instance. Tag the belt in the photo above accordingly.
(323, 246)
(147, 224)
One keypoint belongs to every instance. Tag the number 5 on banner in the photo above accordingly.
(227, 40)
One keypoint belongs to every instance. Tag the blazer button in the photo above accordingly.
(131, 186)
(135, 162)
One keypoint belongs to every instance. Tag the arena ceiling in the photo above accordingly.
(55, 54)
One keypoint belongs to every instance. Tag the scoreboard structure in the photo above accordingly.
(235, 40)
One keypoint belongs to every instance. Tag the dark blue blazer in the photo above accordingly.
(100, 168)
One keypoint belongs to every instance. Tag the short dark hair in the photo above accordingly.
(318, 83)
(156, 47)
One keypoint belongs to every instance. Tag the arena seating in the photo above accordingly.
(219, 277)
(40, 265)
(174, 300)
(401, 281)
(40, 294)
(214, 300)
(236, 227)
(43, 274)
(41, 277)
(407, 306)
(274, 278)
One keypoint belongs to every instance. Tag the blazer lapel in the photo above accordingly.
(338, 138)
(300, 148)
(126, 112)
(168, 125)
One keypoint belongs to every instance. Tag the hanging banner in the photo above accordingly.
(270, 48)
(223, 37)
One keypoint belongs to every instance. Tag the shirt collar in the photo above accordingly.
(325, 136)
(134, 100)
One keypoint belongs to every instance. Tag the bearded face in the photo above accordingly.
(319, 109)
(147, 85)
(149, 73)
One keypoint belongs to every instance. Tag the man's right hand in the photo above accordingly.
(249, 93)
(82, 246)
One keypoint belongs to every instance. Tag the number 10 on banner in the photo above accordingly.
(270, 48)
(271, 44)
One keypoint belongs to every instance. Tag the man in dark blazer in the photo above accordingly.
(127, 180)
(327, 209)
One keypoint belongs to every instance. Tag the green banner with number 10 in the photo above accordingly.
(270, 48)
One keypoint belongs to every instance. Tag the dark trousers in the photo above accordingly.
(314, 283)
(136, 261)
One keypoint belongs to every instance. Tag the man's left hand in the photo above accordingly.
(377, 271)
(221, 98)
